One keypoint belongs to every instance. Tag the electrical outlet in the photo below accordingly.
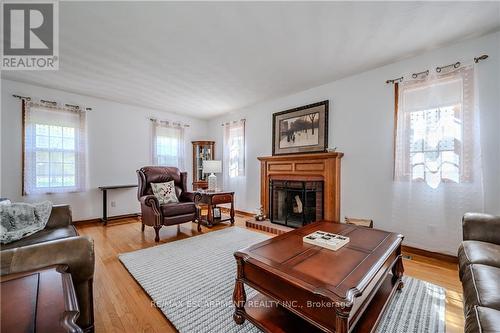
(113, 203)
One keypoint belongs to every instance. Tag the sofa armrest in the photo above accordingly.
(481, 227)
(75, 252)
(60, 217)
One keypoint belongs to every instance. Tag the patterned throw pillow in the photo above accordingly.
(165, 192)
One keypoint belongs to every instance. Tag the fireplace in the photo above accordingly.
(295, 203)
(313, 178)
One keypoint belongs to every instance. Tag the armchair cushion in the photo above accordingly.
(180, 208)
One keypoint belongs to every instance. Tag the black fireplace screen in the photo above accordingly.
(295, 203)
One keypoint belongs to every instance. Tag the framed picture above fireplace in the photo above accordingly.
(301, 130)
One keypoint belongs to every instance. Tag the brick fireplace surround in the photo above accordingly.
(304, 167)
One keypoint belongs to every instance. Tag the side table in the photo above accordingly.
(212, 199)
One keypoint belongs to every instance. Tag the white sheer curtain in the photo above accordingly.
(168, 144)
(234, 159)
(234, 149)
(438, 173)
(54, 148)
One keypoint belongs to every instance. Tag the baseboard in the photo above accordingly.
(236, 211)
(110, 218)
(430, 254)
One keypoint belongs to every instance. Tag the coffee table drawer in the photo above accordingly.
(221, 199)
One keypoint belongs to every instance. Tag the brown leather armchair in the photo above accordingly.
(156, 215)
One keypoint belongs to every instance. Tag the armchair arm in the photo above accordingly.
(60, 217)
(75, 252)
(150, 201)
(187, 196)
(150, 210)
(481, 227)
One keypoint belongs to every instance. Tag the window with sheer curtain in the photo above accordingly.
(234, 149)
(435, 129)
(168, 144)
(54, 149)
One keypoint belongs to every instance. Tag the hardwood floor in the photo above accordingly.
(121, 305)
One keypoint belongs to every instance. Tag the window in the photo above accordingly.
(234, 148)
(54, 149)
(168, 144)
(434, 129)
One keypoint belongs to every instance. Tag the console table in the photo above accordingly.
(212, 199)
(104, 190)
(42, 301)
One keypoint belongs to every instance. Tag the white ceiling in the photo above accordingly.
(205, 59)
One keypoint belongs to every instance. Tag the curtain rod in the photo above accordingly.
(438, 69)
(27, 98)
(234, 122)
(168, 121)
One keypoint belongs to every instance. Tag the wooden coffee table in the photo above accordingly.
(306, 288)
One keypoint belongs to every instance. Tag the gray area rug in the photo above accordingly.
(192, 280)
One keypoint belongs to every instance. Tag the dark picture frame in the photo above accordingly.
(301, 130)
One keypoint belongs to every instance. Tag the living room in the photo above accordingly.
(170, 169)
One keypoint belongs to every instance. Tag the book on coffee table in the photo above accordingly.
(326, 239)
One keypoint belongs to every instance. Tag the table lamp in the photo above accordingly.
(211, 167)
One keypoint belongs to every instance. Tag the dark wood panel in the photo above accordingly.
(19, 304)
(42, 301)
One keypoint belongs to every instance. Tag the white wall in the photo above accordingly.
(118, 144)
(361, 126)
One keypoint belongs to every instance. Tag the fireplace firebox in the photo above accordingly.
(295, 203)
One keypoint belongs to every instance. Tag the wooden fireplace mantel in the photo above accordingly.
(308, 167)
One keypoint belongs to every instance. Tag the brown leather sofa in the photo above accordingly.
(479, 270)
(58, 243)
(156, 215)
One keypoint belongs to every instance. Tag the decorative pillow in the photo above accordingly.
(19, 220)
(165, 192)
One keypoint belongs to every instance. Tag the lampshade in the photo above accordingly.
(212, 166)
